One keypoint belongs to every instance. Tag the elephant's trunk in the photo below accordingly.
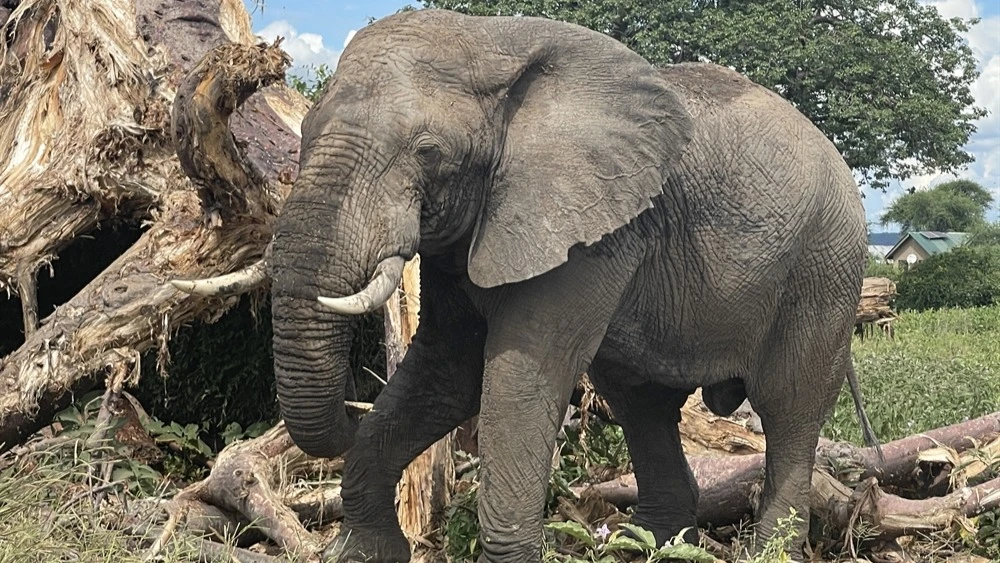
(341, 239)
(312, 367)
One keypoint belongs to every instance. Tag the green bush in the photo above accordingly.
(964, 277)
(876, 269)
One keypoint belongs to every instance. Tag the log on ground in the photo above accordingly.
(730, 485)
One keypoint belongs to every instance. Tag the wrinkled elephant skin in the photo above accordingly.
(575, 209)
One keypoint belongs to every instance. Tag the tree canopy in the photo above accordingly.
(959, 205)
(888, 81)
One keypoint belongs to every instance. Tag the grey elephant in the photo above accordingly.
(576, 210)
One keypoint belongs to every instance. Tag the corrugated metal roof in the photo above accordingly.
(879, 250)
(933, 242)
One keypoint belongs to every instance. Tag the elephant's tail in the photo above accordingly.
(871, 440)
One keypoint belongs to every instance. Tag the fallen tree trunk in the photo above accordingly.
(110, 152)
(729, 485)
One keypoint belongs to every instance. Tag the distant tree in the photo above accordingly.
(985, 235)
(888, 81)
(972, 190)
(953, 206)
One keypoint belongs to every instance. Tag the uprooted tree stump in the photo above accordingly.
(88, 136)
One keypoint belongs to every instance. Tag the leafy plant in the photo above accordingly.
(234, 432)
(985, 540)
(628, 540)
(462, 528)
(776, 550)
(313, 84)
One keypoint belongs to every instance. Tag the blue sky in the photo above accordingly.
(316, 31)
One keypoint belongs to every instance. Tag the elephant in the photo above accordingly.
(576, 210)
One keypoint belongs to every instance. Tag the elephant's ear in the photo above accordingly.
(591, 132)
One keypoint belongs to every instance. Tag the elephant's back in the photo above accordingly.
(725, 103)
(758, 191)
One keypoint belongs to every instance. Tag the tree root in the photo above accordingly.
(128, 308)
(241, 493)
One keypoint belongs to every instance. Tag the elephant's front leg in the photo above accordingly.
(534, 353)
(436, 386)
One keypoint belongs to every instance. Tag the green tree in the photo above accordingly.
(311, 86)
(953, 206)
(985, 235)
(888, 81)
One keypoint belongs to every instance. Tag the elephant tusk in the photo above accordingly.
(357, 408)
(386, 279)
(229, 284)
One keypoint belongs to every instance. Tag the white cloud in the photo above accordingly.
(350, 35)
(984, 145)
(306, 49)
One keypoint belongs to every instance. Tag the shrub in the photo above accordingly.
(968, 276)
(876, 269)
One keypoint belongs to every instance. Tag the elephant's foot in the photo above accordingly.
(664, 529)
(357, 545)
(765, 535)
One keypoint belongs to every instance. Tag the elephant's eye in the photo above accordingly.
(429, 153)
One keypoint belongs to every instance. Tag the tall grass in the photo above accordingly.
(47, 514)
(941, 368)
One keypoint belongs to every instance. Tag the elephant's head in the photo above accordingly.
(504, 140)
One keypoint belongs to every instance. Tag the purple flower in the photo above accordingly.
(603, 532)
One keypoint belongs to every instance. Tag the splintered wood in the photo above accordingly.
(86, 134)
(874, 308)
(425, 488)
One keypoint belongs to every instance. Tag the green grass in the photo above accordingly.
(941, 368)
(47, 514)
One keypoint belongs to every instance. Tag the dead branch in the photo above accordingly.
(221, 82)
(242, 487)
(892, 516)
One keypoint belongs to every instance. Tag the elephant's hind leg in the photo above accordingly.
(793, 394)
(649, 414)
(436, 386)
